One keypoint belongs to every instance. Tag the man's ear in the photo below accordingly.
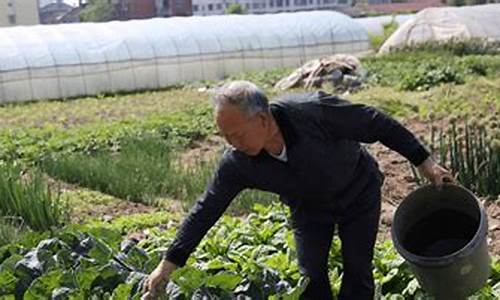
(264, 119)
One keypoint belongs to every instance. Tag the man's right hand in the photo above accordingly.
(156, 282)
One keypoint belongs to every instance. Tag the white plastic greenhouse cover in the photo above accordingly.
(375, 25)
(444, 23)
(60, 61)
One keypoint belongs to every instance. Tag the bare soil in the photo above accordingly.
(399, 182)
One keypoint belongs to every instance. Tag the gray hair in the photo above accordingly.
(244, 94)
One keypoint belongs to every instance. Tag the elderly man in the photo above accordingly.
(305, 148)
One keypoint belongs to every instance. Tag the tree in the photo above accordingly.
(235, 8)
(97, 11)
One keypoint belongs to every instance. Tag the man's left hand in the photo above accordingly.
(435, 173)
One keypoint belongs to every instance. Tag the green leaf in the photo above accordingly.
(111, 275)
(10, 262)
(8, 250)
(189, 279)
(109, 236)
(122, 292)
(137, 258)
(101, 252)
(64, 259)
(64, 293)
(218, 264)
(225, 281)
(43, 286)
(296, 292)
(85, 276)
(70, 236)
(52, 245)
(7, 282)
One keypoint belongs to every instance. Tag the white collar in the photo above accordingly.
(282, 156)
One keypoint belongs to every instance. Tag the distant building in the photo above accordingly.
(68, 11)
(19, 12)
(170, 8)
(379, 1)
(217, 7)
(144, 9)
(365, 2)
(400, 7)
(134, 9)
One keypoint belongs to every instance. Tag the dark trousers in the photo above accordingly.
(357, 233)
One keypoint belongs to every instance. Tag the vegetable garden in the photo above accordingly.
(61, 161)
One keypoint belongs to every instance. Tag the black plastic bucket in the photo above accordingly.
(442, 235)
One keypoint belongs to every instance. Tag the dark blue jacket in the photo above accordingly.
(327, 171)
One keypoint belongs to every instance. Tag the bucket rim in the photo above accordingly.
(440, 261)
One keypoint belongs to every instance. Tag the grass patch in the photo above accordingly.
(125, 107)
(33, 144)
(67, 114)
(423, 70)
(264, 79)
(27, 195)
(135, 222)
(87, 203)
(454, 47)
(481, 95)
(143, 170)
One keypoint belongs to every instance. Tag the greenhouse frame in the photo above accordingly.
(68, 60)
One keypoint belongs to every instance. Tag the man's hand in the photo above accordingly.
(435, 173)
(157, 280)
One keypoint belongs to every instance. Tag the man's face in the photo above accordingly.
(246, 134)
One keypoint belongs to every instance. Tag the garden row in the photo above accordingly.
(250, 258)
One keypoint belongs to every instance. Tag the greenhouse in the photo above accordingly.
(68, 60)
(444, 23)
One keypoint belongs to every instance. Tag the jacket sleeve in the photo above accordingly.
(345, 120)
(223, 188)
